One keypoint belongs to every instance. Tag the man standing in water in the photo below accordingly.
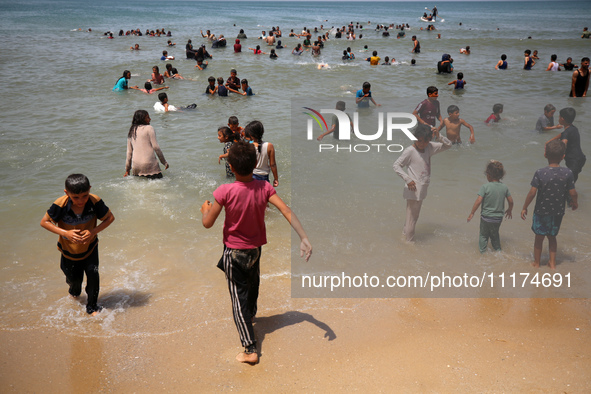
(580, 80)
(434, 13)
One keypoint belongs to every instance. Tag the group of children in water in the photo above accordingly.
(554, 186)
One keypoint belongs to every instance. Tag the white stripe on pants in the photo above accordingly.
(244, 290)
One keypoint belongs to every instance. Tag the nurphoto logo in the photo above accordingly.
(394, 122)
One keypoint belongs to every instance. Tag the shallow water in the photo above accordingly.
(60, 116)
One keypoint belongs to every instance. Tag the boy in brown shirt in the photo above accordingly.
(74, 218)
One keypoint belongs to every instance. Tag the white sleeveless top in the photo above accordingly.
(263, 166)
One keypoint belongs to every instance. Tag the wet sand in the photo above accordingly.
(372, 345)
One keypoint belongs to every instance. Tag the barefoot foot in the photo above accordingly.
(250, 358)
(94, 311)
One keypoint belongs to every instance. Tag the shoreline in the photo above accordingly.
(485, 345)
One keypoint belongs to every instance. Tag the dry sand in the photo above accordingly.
(375, 345)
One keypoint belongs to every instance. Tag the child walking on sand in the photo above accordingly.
(552, 185)
(417, 159)
(245, 202)
(74, 217)
(253, 132)
(492, 197)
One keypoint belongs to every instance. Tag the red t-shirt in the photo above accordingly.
(429, 111)
(245, 204)
(492, 118)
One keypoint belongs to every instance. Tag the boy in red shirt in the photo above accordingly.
(244, 234)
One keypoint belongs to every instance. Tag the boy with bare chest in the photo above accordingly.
(453, 124)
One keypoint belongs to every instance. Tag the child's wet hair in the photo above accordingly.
(453, 108)
(211, 79)
(548, 108)
(148, 86)
(555, 151)
(162, 97)
(495, 170)
(77, 183)
(568, 114)
(233, 120)
(242, 157)
(497, 108)
(423, 132)
(432, 89)
(255, 130)
(228, 133)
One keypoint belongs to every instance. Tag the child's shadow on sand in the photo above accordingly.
(268, 324)
(124, 299)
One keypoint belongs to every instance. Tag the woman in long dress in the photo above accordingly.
(141, 147)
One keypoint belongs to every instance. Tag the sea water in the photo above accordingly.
(59, 116)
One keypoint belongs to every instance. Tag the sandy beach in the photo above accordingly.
(167, 324)
(395, 345)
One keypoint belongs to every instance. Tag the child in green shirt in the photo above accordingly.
(492, 198)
